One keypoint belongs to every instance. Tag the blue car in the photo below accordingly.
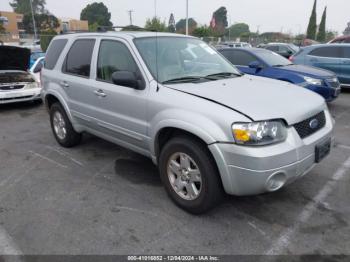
(35, 56)
(333, 57)
(262, 62)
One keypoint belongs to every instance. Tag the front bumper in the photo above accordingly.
(20, 95)
(251, 170)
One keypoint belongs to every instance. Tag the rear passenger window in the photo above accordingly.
(54, 52)
(114, 56)
(272, 48)
(78, 59)
(243, 58)
(331, 51)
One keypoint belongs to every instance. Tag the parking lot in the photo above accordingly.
(99, 198)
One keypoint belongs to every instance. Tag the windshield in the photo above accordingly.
(182, 58)
(273, 59)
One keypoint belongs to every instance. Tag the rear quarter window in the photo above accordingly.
(331, 51)
(53, 53)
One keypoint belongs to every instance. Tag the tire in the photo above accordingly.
(69, 137)
(201, 194)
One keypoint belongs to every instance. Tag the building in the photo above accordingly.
(72, 25)
(12, 22)
(347, 30)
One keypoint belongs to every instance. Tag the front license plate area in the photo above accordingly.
(322, 150)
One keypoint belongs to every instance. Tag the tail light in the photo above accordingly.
(291, 58)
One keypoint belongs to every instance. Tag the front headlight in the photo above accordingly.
(31, 85)
(313, 81)
(259, 133)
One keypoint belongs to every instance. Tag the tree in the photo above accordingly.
(237, 30)
(181, 26)
(312, 27)
(45, 38)
(43, 22)
(155, 24)
(202, 31)
(132, 28)
(220, 18)
(330, 35)
(321, 35)
(172, 24)
(23, 6)
(96, 14)
(347, 30)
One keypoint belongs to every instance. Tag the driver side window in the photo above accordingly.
(114, 56)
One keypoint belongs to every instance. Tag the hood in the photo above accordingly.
(14, 58)
(259, 98)
(307, 71)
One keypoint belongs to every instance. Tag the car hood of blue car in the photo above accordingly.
(307, 71)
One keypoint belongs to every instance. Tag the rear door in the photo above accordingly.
(76, 82)
(326, 57)
(345, 66)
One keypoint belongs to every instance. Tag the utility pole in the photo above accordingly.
(155, 8)
(186, 17)
(34, 25)
(130, 15)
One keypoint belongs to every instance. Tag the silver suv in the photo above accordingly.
(209, 128)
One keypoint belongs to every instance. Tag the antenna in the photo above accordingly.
(130, 15)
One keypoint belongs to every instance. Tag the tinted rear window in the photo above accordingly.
(331, 51)
(54, 52)
(78, 60)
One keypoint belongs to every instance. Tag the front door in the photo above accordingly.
(122, 110)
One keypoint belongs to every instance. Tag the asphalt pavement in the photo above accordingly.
(99, 198)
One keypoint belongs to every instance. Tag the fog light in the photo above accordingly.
(276, 181)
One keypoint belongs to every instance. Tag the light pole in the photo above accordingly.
(31, 7)
(186, 17)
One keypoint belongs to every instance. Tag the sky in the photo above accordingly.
(288, 16)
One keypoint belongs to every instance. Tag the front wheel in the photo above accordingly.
(190, 175)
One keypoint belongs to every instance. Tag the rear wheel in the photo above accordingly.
(62, 128)
(190, 175)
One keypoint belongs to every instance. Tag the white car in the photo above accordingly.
(16, 83)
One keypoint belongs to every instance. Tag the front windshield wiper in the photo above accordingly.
(223, 74)
(185, 79)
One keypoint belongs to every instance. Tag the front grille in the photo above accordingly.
(11, 87)
(334, 83)
(305, 129)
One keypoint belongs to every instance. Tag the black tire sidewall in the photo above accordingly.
(210, 191)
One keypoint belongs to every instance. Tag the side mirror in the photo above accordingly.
(38, 68)
(255, 65)
(126, 78)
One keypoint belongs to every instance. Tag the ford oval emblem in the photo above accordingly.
(314, 123)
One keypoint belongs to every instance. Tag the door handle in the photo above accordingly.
(100, 93)
(64, 84)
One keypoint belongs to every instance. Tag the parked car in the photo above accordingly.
(344, 39)
(36, 68)
(35, 56)
(265, 63)
(333, 57)
(16, 84)
(234, 44)
(283, 49)
(209, 128)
